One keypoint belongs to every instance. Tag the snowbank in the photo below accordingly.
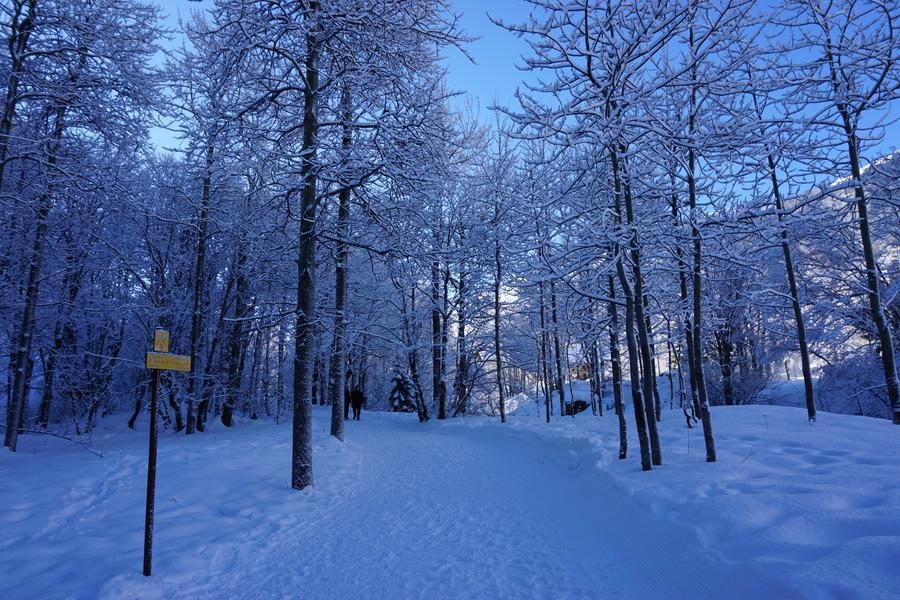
(816, 505)
(466, 508)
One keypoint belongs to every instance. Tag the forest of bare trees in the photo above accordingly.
(690, 200)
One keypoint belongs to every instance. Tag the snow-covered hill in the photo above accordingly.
(466, 508)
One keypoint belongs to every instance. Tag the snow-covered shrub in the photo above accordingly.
(854, 386)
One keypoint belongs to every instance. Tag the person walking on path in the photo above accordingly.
(357, 399)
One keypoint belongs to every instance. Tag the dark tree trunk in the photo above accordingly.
(437, 369)
(338, 353)
(657, 402)
(462, 353)
(497, 282)
(696, 281)
(412, 361)
(556, 348)
(279, 375)
(726, 353)
(615, 362)
(236, 339)
(545, 370)
(637, 398)
(301, 450)
(197, 311)
(211, 356)
(686, 313)
(445, 333)
(885, 336)
(21, 371)
(643, 341)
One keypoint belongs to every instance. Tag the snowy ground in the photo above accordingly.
(464, 509)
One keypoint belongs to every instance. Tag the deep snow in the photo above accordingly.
(466, 508)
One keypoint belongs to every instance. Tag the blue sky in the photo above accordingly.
(496, 52)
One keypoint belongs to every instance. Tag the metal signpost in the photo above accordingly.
(156, 361)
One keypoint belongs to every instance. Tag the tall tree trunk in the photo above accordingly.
(437, 397)
(497, 281)
(445, 330)
(647, 381)
(462, 353)
(545, 342)
(657, 402)
(634, 358)
(63, 334)
(697, 316)
(791, 275)
(615, 361)
(279, 375)
(409, 339)
(726, 359)
(556, 348)
(696, 279)
(211, 363)
(637, 398)
(597, 375)
(338, 358)
(795, 294)
(267, 371)
(699, 379)
(21, 373)
(251, 398)
(194, 384)
(688, 329)
(885, 336)
(301, 450)
(236, 340)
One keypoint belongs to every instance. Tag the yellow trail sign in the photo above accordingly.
(168, 362)
(160, 340)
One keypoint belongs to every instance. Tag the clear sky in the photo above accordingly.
(497, 52)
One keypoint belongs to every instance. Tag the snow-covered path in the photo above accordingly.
(400, 511)
(492, 512)
(459, 509)
(484, 513)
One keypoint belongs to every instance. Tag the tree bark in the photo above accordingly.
(616, 366)
(556, 348)
(437, 398)
(462, 360)
(21, 373)
(301, 450)
(647, 383)
(637, 396)
(194, 384)
(885, 336)
(497, 280)
(236, 341)
(545, 371)
(696, 279)
(338, 358)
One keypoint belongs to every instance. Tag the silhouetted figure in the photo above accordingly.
(356, 401)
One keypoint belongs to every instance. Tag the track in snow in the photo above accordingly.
(401, 510)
